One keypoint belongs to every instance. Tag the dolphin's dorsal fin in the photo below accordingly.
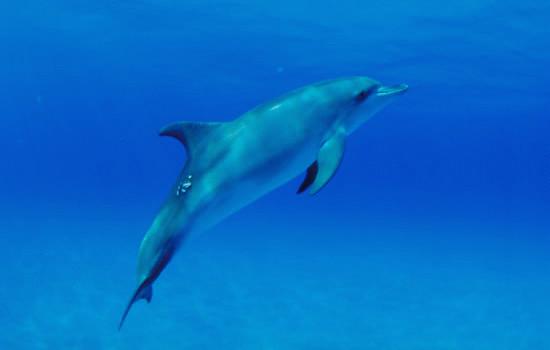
(328, 160)
(190, 134)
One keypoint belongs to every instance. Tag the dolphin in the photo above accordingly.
(231, 164)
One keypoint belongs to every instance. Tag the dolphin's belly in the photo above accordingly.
(246, 174)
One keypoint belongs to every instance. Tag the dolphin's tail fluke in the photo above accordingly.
(145, 288)
(144, 291)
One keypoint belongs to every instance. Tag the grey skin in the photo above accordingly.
(231, 164)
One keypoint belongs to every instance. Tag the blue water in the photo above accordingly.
(435, 233)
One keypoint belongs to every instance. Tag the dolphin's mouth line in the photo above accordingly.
(392, 90)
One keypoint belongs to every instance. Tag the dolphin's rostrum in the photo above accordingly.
(232, 164)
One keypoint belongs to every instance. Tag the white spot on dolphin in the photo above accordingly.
(184, 185)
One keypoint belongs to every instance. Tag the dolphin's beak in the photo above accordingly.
(392, 90)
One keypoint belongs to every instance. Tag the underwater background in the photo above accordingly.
(433, 235)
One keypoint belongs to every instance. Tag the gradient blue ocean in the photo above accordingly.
(434, 234)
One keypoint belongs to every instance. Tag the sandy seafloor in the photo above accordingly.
(323, 285)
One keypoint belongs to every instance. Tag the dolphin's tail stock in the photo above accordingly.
(143, 291)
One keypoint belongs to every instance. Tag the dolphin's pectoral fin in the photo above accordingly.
(190, 134)
(311, 173)
(328, 160)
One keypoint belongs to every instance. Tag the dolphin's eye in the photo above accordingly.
(363, 95)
